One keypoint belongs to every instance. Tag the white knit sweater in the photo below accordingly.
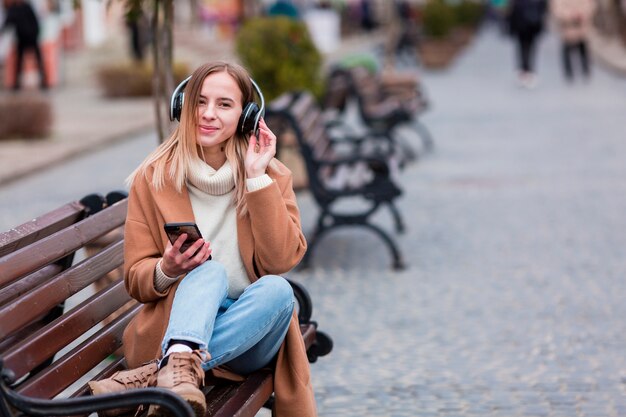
(212, 199)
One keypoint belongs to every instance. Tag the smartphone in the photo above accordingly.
(174, 230)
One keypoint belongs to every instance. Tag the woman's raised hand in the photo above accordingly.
(260, 152)
(176, 262)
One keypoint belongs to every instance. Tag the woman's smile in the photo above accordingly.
(207, 130)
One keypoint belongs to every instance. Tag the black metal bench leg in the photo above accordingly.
(400, 228)
(398, 262)
(403, 149)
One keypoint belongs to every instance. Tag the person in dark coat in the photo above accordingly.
(526, 22)
(21, 16)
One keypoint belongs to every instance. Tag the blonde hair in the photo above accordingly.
(181, 150)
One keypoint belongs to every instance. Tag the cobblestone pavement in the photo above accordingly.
(512, 304)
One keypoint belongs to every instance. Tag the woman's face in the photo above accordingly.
(219, 109)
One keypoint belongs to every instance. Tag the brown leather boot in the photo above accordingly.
(142, 377)
(183, 375)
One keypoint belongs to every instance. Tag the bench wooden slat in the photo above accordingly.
(60, 244)
(40, 227)
(78, 361)
(322, 148)
(282, 102)
(25, 332)
(301, 105)
(252, 393)
(18, 288)
(39, 301)
(118, 364)
(42, 345)
(308, 121)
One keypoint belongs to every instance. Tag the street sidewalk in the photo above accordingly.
(85, 120)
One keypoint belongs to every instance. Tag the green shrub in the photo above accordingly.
(280, 55)
(437, 18)
(132, 80)
(469, 13)
(25, 116)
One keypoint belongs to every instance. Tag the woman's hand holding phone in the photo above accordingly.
(176, 262)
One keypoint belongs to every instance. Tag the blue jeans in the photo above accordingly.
(244, 334)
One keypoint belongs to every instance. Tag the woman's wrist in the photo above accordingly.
(160, 267)
(254, 184)
(162, 280)
(254, 174)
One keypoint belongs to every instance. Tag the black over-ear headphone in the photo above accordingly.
(249, 120)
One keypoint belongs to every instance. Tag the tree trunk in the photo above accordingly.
(168, 51)
(156, 73)
(162, 52)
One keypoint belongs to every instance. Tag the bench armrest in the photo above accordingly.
(9, 399)
(89, 404)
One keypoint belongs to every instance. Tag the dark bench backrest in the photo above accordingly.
(337, 90)
(33, 284)
(300, 113)
(386, 99)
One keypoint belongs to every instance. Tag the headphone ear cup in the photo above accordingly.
(247, 121)
(177, 106)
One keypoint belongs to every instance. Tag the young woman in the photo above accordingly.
(219, 305)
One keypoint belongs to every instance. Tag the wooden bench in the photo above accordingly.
(48, 351)
(334, 175)
(385, 102)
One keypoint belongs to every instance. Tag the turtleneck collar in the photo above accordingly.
(210, 181)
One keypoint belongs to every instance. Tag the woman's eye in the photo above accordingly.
(225, 105)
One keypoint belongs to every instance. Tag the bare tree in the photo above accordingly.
(161, 26)
(162, 57)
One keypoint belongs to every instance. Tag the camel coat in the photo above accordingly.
(573, 18)
(270, 242)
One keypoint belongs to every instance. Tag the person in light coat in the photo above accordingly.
(573, 20)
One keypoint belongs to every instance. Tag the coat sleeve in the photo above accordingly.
(279, 243)
(142, 246)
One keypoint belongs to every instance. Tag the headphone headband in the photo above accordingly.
(250, 115)
(176, 95)
(261, 112)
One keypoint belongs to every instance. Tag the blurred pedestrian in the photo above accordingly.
(368, 22)
(138, 33)
(573, 20)
(526, 22)
(405, 34)
(21, 16)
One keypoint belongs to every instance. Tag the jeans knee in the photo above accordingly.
(278, 290)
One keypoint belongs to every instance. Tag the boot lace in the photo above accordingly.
(187, 368)
(134, 379)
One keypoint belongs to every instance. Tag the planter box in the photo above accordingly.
(437, 53)
(440, 53)
(25, 116)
